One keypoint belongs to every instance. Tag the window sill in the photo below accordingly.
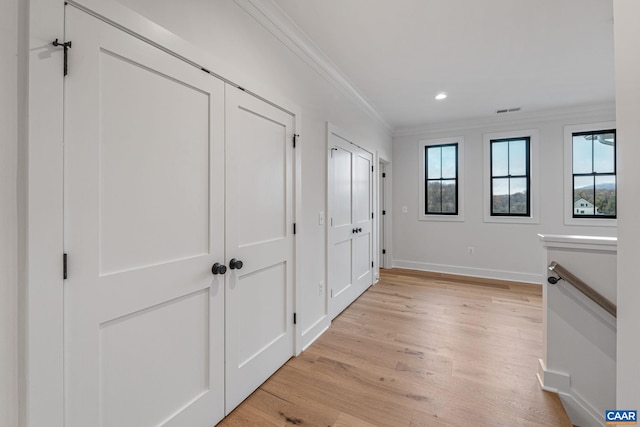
(589, 222)
(511, 219)
(441, 218)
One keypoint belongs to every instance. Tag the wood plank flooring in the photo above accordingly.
(416, 350)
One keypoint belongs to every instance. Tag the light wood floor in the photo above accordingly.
(417, 350)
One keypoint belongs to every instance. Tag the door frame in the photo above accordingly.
(334, 130)
(384, 221)
(41, 284)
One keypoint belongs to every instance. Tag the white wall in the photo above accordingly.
(8, 214)
(626, 36)
(502, 251)
(579, 359)
(249, 55)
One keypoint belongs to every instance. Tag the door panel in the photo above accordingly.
(342, 172)
(144, 316)
(171, 351)
(262, 190)
(259, 212)
(363, 221)
(349, 253)
(341, 226)
(341, 274)
(163, 184)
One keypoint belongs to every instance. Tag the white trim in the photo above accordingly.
(315, 331)
(552, 381)
(516, 119)
(421, 179)
(298, 238)
(568, 175)
(608, 244)
(486, 273)
(386, 185)
(43, 394)
(579, 410)
(272, 18)
(534, 177)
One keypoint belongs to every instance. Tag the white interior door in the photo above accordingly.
(363, 221)
(342, 228)
(259, 295)
(144, 176)
(350, 224)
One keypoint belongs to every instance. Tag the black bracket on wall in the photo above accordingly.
(66, 46)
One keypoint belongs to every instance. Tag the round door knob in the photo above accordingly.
(235, 264)
(218, 268)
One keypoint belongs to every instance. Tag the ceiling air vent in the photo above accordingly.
(508, 110)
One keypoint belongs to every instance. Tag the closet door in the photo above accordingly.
(350, 224)
(144, 223)
(259, 243)
(363, 222)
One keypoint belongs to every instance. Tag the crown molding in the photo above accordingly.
(580, 112)
(271, 17)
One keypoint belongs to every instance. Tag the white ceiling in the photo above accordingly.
(486, 54)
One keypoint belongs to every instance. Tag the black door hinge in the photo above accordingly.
(384, 175)
(371, 215)
(294, 228)
(371, 168)
(64, 266)
(66, 46)
(295, 139)
(384, 251)
(371, 264)
(295, 319)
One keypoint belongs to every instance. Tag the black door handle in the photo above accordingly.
(235, 264)
(218, 268)
(359, 230)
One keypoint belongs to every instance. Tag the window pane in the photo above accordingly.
(449, 161)
(518, 157)
(583, 195)
(434, 196)
(500, 202)
(518, 199)
(500, 158)
(603, 153)
(606, 195)
(449, 196)
(582, 154)
(434, 160)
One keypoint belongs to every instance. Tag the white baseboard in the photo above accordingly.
(555, 382)
(315, 331)
(512, 276)
(580, 412)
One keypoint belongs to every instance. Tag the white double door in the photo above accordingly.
(167, 172)
(350, 254)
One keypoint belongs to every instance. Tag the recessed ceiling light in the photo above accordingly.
(441, 96)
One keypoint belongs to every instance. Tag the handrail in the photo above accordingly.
(572, 279)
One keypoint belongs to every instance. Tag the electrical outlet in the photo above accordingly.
(471, 250)
(321, 287)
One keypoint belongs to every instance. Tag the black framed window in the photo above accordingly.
(441, 179)
(594, 174)
(510, 177)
